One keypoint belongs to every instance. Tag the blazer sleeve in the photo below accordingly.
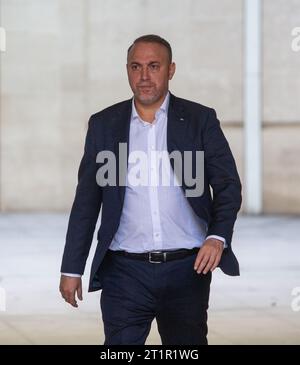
(85, 209)
(223, 178)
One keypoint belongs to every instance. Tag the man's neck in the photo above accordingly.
(147, 112)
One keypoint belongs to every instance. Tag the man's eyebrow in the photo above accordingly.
(149, 63)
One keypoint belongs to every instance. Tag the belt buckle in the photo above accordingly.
(157, 262)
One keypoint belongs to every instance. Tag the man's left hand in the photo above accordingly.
(209, 255)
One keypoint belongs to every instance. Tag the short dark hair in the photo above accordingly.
(153, 38)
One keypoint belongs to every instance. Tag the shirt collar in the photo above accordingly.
(163, 108)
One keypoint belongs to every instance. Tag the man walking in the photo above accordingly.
(158, 244)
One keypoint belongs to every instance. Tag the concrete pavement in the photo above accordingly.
(255, 308)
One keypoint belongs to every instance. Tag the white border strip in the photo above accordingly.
(252, 107)
(2, 39)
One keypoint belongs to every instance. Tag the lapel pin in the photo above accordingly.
(182, 119)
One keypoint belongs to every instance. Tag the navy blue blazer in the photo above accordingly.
(191, 127)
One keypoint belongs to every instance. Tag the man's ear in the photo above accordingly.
(127, 69)
(172, 69)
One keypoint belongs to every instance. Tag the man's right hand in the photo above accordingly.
(68, 287)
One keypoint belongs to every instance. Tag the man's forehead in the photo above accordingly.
(146, 51)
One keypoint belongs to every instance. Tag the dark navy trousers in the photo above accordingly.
(135, 292)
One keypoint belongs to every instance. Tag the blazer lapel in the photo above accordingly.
(120, 127)
(176, 133)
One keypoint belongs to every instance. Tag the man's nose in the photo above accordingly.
(145, 73)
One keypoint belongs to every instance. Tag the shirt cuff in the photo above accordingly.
(218, 238)
(72, 275)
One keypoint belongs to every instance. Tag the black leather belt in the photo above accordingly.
(157, 257)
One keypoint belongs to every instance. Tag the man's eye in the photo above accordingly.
(134, 67)
(154, 67)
